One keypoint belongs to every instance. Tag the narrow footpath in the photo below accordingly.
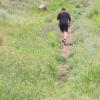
(65, 51)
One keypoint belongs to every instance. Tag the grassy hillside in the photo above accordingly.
(30, 51)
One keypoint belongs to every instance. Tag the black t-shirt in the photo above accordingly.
(64, 17)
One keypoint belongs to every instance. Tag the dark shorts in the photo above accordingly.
(63, 27)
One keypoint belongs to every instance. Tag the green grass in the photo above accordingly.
(30, 56)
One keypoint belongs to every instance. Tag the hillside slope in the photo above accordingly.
(30, 51)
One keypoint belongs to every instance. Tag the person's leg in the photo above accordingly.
(69, 36)
(64, 37)
(65, 33)
(61, 28)
(64, 30)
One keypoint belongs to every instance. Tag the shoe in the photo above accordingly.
(64, 41)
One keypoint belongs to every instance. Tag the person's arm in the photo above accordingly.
(69, 18)
(58, 17)
(69, 23)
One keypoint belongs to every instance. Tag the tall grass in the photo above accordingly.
(30, 56)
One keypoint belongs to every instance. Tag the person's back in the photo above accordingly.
(64, 17)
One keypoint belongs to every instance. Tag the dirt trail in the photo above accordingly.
(63, 68)
(65, 50)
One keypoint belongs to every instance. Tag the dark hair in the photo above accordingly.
(63, 9)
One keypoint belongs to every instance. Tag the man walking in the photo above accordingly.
(64, 23)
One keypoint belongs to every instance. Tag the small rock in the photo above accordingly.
(43, 7)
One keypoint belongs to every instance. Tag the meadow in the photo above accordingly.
(30, 51)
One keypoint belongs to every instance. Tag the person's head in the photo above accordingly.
(63, 9)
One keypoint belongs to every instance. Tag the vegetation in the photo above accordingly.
(30, 55)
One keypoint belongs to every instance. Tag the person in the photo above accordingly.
(64, 23)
